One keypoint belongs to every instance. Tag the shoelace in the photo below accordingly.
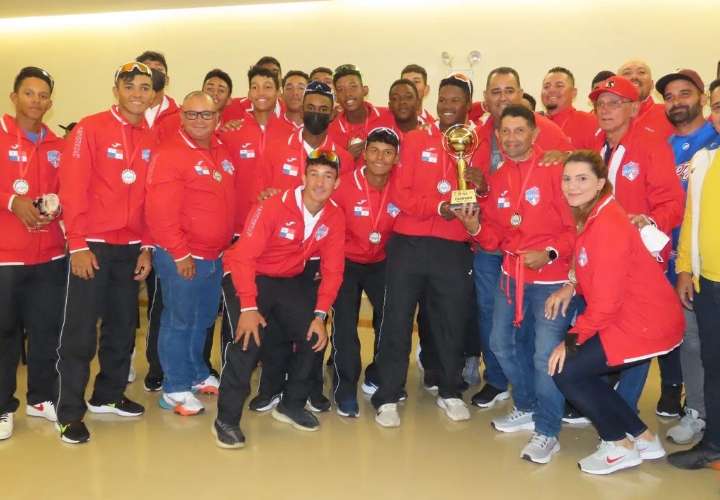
(4, 417)
(516, 414)
(539, 440)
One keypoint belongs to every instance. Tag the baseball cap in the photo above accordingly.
(681, 74)
(618, 85)
(317, 87)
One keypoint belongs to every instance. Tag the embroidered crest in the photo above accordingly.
(393, 210)
(145, 155)
(360, 211)
(246, 154)
(53, 158)
(532, 195)
(115, 153)
(201, 169)
(290, 170)
(631, 170)
(429, 156)
(287, 233)
(228, 167)
(321, 232)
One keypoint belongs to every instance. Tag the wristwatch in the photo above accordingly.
(321, 315)
(552, 253)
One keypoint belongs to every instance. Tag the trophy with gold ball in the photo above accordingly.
(460, 141)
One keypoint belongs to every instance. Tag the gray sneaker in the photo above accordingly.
(690, 427)
(515, 421)
(540, 449)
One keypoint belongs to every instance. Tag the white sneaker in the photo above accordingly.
(515, 421)
(455, 409)
(210, 385)
(387, 415)
(609, 458)
(649, 450)
(182, 403)
(369, 388)
(690, 427)
(46, 410)
(6, 425)
(540, 449)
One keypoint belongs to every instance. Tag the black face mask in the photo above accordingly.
(316, 123)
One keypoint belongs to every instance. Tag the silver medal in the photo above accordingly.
(516, 219)
(375, 237)
(444, 186)
(128, 176)
(21, 187)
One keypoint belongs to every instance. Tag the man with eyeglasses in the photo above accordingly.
(358, 117)
(281, 169)
(102, 188)
(32, 249)
(269, 287)
(649, 114)
(190, 213)
(501, 90)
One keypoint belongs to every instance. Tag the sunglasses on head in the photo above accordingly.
(324, 154)
(133, 66)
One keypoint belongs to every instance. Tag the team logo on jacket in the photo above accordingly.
(201, 169)
(683, 171)
(53, 158)
(145, 155)
(631, 170)
(532, 195)
(321, 232)
(228, 167)
(582, 257)
(15, 155)
(287, 233)
(290, 170)
(393, 210)
(115, 152)
(361, 211)
(429, 156)
(246, 154)
(503, 201)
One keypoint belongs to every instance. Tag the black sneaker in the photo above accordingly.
(73, 432)
(318, 404)
(573, 416)
(262, 403)
(124, 407)
(698, 457)
(301, 419)
(669, 403)
(488, 396)
(152, 383)
(228, 436)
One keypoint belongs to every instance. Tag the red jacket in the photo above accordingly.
(247, 147)
(272, 245)
(18, 245)
(283, 165)
(579, 126)
(534, 193)
(630, 302)
(237, 108)
(102, 180)
(477, 110)
(423, 165)
(367, 210)
(550, 138)
(341, 131)
(190, 203)
(642, 171)
(652, 116)
(167, 121)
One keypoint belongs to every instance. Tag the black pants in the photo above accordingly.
(31, 296)
(707, 309)
(155, 307)
(287, 305)
(275, 358)
(113, 296)
(346, 311)
(441, 270)
(583, 383)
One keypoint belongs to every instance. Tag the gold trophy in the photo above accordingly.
(460, 142)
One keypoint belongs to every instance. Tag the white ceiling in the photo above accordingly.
(25, 8)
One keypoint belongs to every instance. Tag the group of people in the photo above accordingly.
(587, 248)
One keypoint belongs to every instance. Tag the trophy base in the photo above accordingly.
(461, 197)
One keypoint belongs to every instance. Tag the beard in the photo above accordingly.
(680, 115)
(551, 107)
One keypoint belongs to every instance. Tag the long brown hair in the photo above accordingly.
(598, 167)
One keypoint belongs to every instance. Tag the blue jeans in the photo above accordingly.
(189, 309)
(525, 362)
(486, 272)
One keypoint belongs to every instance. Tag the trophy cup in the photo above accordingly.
(460, 142)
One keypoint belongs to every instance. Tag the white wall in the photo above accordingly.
(381, 36)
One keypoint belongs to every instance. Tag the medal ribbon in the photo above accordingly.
(375, 221)
(24, 166)
(524, 183)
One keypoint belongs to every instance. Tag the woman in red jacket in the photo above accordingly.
(632, 315)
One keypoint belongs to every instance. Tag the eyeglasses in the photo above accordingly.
(133, 66)
(611, 105)
(325, 154)
(194, 115)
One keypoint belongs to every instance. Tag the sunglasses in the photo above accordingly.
(133, 66)
(384, 130)
(324, 154)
